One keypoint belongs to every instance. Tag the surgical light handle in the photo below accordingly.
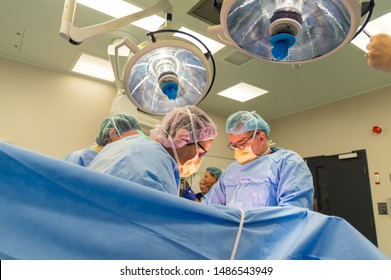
(132, 47)
(217, 32)
(77, 35)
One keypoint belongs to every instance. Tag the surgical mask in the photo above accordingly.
(192, 165)
(244, 156)
(247, 155)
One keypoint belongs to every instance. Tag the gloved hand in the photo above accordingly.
(189, 194)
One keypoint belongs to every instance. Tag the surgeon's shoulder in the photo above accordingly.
(149, 146)
(74, 155)
(280, 154)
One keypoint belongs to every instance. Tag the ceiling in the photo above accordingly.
(30, 33)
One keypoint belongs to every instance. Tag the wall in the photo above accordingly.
(49, 112)
(342, 127)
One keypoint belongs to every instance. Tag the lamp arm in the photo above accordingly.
(77, 35)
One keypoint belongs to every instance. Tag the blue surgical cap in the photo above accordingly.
(120, 122)
(244, 121)
(214, 171)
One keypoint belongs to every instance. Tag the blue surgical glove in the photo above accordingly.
(189, 194)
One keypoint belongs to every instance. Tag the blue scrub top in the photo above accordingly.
(140, 160)
(277, 179)
(81, 157)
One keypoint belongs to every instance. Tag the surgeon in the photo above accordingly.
(111, 129)
(261, 175)
(211, 176)
(175, 150)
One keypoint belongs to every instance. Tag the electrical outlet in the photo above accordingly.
(382, 206)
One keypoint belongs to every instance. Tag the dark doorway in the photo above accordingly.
(342, 189)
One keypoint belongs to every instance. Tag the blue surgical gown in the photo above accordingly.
(140, 160)
(82, 157)
(277, 179)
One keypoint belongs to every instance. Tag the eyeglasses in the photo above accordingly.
(240, 146)
(200, 155)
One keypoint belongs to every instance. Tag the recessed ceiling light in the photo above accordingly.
(212, 45)
(242, 92)
(94, 66)
(380, 25)
(120, 8)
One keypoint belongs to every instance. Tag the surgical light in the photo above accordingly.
(166, 72)
(160, 74)
(286, 31)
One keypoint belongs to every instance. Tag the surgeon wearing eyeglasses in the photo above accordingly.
(261, 175)
(175, 149)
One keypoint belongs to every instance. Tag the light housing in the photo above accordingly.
(285, 31)
(166, 72)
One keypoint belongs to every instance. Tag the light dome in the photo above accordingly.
(306, 30)
(166, 73)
